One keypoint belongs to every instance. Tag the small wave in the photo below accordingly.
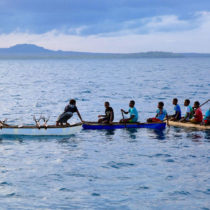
(162, 155)
(65, 189)
(170, 160)
(96, 194)
(119, 165)
(11, 195)
(5, 183)
(85, 91)
(143, 188)
(170, 177)
(179, 193)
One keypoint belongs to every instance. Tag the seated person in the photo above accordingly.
(207, 117)
(161, 114)
(133, 114)
(68, 113)
(189, 111)
(177, 115)
(198, 116)
(109, 114)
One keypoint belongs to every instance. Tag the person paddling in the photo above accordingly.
(189, 111)
(109, 114)
(133, 113)
(68, 113)
(198, 116)
(161, 114)
(177, 115)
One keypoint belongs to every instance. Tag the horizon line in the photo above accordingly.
(91, 52)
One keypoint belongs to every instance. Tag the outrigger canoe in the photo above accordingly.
(116, 125)
(189, 125)
(30, 130)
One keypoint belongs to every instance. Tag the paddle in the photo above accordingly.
(204, 103)
(123, 118)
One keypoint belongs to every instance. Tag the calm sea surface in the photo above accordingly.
(121, 169)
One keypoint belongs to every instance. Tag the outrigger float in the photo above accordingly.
(116, 125)
(189, 125)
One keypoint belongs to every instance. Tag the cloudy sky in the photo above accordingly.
(107, 25)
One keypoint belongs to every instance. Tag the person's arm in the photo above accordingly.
(79, 115)
(122, 110)
(111, 117)
(101, 116)
(176, 115)
(167, 118)
(187, 115)
(131, 117)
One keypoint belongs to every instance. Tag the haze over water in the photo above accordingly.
(121, 169)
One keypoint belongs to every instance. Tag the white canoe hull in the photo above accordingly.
(51, 131)
(189, 125)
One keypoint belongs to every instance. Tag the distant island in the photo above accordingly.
(32, 51)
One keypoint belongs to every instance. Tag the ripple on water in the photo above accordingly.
(170, 160)
(119, 165)
(182, 193)
(5, 184)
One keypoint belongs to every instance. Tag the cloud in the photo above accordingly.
(158, 33)
(98, 16)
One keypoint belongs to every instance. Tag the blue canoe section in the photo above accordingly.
(96, 126)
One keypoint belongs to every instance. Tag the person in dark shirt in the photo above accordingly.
(109, 114)
(68, 113)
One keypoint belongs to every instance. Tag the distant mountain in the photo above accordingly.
(24, 48)
(33, 51)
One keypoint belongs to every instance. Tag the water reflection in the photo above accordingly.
(195, 137)
(157, 134)
(110, 132)
(160, 135)
(132, 132)
(207, 135)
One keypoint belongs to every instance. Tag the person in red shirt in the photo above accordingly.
(198, 116)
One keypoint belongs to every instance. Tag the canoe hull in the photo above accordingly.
(189, 125)
(33, 131)
(96, 126)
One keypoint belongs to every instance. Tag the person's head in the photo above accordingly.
(187, 102)
(196, 104)
(160, 105)
(72, 102)
(175, 101)
(132, 103)
(106, 104)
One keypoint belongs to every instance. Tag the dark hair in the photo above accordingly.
(107, 103)
(133, 102)
(161, 103)
(72, 102)
(197, 103)
(188, 101)
(175, 99)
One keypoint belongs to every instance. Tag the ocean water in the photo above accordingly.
(120, 169)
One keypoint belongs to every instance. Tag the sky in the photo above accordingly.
(123, 26)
